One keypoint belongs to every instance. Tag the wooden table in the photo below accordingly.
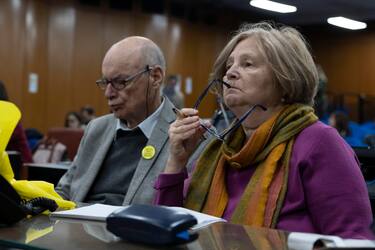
(42, 232)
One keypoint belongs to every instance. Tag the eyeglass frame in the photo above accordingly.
(235, 125)
(124, 82)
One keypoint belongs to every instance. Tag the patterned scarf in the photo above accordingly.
(268, 149)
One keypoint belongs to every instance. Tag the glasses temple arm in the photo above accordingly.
(148, 68)
(224, 83)
(204, 93)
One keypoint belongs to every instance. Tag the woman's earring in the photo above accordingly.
(283, 100)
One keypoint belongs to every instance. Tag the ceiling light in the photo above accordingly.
(346, 23)
(273, 6)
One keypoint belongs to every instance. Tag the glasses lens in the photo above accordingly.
(102, 84)
(118, 84)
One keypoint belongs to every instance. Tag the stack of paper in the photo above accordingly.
(96, 212)
(203, 219)
(99, 212)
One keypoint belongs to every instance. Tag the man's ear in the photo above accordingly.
(157, 76)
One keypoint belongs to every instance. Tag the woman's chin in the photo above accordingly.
(234, 103)
(231, 101)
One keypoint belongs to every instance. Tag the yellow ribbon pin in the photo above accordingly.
(148, 152)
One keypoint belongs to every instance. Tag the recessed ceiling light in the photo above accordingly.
(346, 23)
(273, 6)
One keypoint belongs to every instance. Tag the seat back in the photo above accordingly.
(70, 137)
(15, 159)
(366, 157)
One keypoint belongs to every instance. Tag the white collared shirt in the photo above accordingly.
(146, 125)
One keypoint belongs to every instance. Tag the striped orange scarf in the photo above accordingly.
(269, 150)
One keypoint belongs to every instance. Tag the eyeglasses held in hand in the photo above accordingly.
(118, 83)
(235, 125)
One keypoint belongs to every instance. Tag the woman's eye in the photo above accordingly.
(248, 64)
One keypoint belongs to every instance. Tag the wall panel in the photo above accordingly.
(64, 42)
(348, 60)
(12, 56)
(61, 28)
(36, 61)
(86, 59)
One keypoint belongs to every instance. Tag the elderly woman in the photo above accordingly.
(281, 168)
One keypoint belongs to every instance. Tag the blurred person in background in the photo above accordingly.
(320, 100)
(18, 141)
(340, 121)
(87, 114)
(173, 91)
(73, 120)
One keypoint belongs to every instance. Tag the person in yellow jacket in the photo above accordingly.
(9, 117)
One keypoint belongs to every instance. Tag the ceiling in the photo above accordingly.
(310, 12)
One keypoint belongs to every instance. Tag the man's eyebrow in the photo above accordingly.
(117, 77)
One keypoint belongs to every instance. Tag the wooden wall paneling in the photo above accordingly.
(64, 43)
(185, 59)
(209, 46)
(36, 61)
(341, 65)
(353, 67)
(348, 61)
(173, 44)
(12, 26)
(367, 65)
(61, 28)
(87, 58)
(117, 26)
(153, 26)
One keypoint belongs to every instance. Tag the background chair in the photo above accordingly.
(69, 137)
(366, 157)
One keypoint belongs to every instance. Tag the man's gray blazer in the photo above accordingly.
(98, 137)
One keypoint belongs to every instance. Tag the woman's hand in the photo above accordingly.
(184, 136)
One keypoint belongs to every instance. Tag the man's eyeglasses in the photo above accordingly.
(119, 84)
(235, 125)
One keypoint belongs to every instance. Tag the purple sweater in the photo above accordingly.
(326, 191)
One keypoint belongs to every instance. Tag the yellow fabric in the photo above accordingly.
(268, 150)
(9, 117)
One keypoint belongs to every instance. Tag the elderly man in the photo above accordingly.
(122, 153)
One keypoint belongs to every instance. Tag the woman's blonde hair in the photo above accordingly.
(286, 52)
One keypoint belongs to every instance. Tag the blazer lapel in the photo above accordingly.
(158, 139)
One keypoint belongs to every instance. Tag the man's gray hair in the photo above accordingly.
(154, 56)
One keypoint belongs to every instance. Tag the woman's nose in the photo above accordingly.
(232, 74)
